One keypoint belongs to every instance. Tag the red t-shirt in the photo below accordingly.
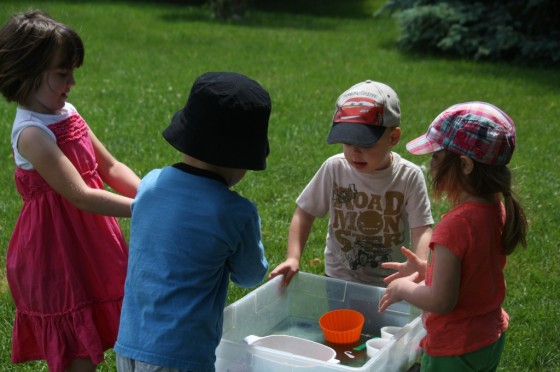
(473, 232)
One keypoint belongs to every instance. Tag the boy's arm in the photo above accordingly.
(300, 228)
(420, 239)
(248, 265)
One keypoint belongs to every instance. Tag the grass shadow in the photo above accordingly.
(308, 14)
(348, 9)
(507, 70)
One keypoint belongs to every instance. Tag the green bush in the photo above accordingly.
(526, 31)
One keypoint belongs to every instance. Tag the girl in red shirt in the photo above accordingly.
(471, 144)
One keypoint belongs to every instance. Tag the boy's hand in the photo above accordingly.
(288, 268)
(412, 265)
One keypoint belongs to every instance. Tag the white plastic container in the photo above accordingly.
(389, 331)
(375, 345)
(273, 309)
(294, 345)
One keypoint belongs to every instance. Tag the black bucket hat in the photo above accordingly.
(224, 122)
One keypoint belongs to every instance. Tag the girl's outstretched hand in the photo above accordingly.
(391, 294)
(412, 265)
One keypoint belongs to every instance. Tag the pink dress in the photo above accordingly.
(65, 267)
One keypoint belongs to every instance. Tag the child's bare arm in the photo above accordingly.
(420, 238)
(300, 228)
(116, 174)
(57, 170)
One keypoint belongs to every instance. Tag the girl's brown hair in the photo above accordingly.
(484, 181)
(29, 45)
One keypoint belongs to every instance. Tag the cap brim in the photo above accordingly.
(355, 134)
(422, 145)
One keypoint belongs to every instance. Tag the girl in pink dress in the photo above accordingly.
(66, 260)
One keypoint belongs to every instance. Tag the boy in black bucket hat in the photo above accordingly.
(190, 233)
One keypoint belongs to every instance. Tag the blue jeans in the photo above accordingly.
(130, 365)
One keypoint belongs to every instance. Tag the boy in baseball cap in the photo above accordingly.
(376, 200)
(190, 233)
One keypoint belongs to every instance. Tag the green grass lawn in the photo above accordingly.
(141, 60)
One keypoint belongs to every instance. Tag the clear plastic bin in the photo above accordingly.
(295, 311)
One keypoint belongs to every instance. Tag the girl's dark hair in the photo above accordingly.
(484, 181)
(30, 43)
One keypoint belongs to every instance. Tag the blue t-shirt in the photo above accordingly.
(189, 234)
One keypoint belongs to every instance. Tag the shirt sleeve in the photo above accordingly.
(453, 233)
(418, 204)
(316, 196)
(248, 265)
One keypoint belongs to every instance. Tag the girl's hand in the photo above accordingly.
(440, 297)
(392, 293)
(412, 265)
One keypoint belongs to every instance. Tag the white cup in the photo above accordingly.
(389, 331)
(374, 345)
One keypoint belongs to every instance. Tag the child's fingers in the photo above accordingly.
(390, 265)
(408, 253)
(384, 303)
(391, 277)
(288, 277)
(281, 269)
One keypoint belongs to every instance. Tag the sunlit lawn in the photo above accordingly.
(142, 57)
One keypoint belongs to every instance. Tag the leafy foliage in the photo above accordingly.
(526, 31)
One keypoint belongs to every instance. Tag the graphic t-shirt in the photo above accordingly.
(369, 215)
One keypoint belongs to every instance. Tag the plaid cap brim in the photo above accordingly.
(422, 146)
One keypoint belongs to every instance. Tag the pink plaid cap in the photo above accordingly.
(478, 130)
